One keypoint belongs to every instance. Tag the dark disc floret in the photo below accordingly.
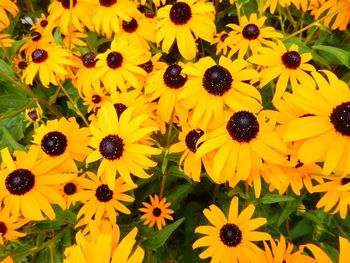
(230, 235)
(345, 181)
(3, 229)
(172, 77)
(107, 3)
(39, 56)
(119, 108)
(96, 98)
(243, 126)
(36, 36)
(299, 164)
(33, 115)
(114, 60)
(223, 37)
(217, 80)
(89, 60)
(54, 143)
(191, 139)
(180, 13)
(44, 23)
(66, 3)
(20, 181)
(291, 59)
(157, 212)
(70, 189)
(22, 65)
(148, 66)
(103, 193)
(340, 118)
(251, 32)
(111, 147)
(130, 26)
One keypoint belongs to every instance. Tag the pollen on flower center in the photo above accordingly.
(66, 3)
(243, 126)
(119, 108)
(340, 118)
(148, 66)
(103, 193)
(3, 229)
(39, 56)
(130, 26)
(230, 235)
(157, 212)
(89, 60)
(217, 80)
(70, 188)
(111, 147)
(172, 77)
(251, 32)
(191, 139)
(114, 60)
(107, 3)
(54, 143)
(20, 181)
(291, 59)
(180, 13)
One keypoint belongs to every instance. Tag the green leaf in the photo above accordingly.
(275, 198)
(342, 55)
(179, 193)
(7, 69)
(58, 36)
(303, 228)
(288, 209)
(7, 140)
(161, 236)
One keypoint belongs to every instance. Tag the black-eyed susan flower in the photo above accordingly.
(189, 164)
(230, 239)
(242, 142)
(182, 19)
(103, 249)
(165, 86)
(36, 40)
(211, 87)
(156, 212)
(63, 140)
(20, 64)
(107, 14)
(100, 200)
(288, 65)
(340, 9)
(69, 17)
(34, 115)
(321, 257)
(281, 251)
(325, 129)
(26, 184)
(151, 66)
(69, 189)
(94, 100)
(50, 63)
(9, 225)
(220, 40)
(118, 66)
(250, 35)
(9, 6)
(117, 141)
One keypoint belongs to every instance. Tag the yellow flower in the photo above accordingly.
(229, 240)
(156, 212)
(118, 142)
(250, 35)
(9, 225)
(69, 190)
(340, 9)
(182, 19)
(220, 40)
(34, 115)
(9, 6)
(273, 4)
(5, 41)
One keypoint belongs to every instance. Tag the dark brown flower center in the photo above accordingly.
(172, 77)
(96, 98)
(111, 147)
(20, 181)
(251, 31)
(107, 3)
(191, 139)
(22, 65)
(180, 13)
(217, 80)
(39, 56)
(345, 181)
(36, 36)
(223, 37)
(243, 126)
(119, 108)
(54, 143)
(299, 164)
(148, 66)
(114, 60)
(3, 229)
(291, 59)
(130, 26)
(157, 212)
(66, 3)
(340, 118)
(70, 189)
(89, 60)
(44, 23)
(103, 193)
(230, 235)
(33, 115)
